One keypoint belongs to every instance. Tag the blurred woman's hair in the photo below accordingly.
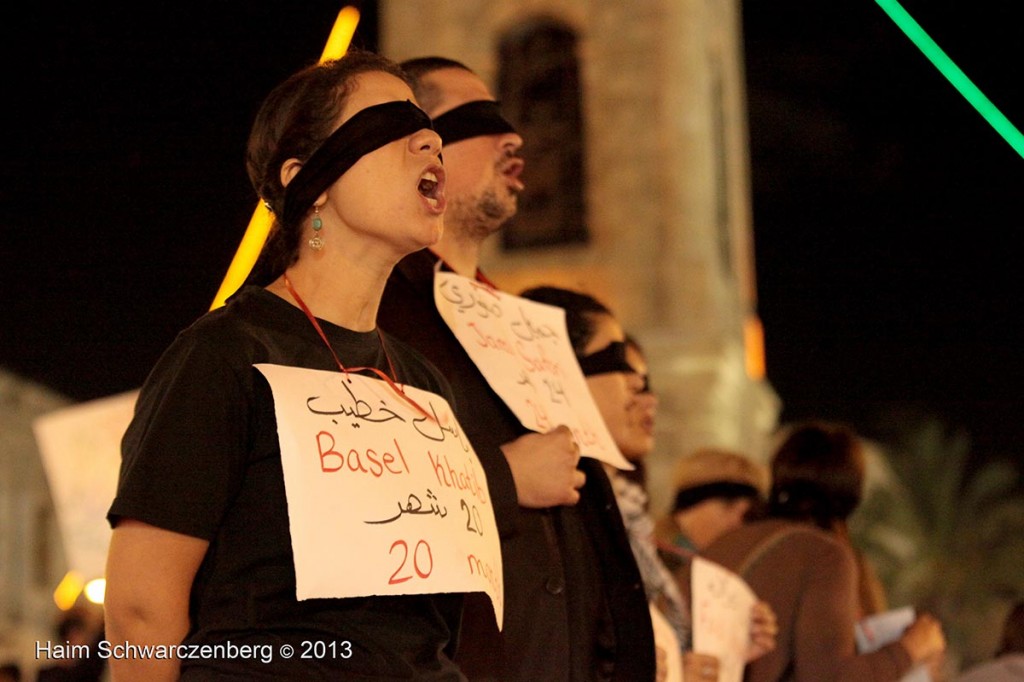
(817, 474)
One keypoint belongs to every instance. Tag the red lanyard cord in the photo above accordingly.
(391, 381)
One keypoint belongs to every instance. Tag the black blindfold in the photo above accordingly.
(472, 119)
(723, 489)
(611, 358)
(366, 131)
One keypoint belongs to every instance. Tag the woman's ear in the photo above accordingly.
(288, 171)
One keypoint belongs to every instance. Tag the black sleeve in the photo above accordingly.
(184, 452)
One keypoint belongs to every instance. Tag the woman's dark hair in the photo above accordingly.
(293, 121)
(580, 310)
(817, 474)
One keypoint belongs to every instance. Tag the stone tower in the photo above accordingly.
(665, 235)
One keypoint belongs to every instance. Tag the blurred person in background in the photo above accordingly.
(616, 371)
(799, 559)
(716, 490)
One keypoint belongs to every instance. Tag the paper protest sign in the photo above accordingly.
(382, 499)
(722, 602)
(522, 349)
(879, 629)
(81, 451)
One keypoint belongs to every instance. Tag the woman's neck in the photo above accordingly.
(340, 290)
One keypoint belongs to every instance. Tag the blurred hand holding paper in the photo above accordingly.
(880, 629)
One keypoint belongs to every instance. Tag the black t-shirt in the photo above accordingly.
(201, 457)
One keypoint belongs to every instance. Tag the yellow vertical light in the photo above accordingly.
(245, 257)
(66, 593)
(259, 225)
(753, 343)
(341, 35)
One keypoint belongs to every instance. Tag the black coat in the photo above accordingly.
(575, 607)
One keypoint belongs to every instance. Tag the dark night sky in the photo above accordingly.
(887, 212)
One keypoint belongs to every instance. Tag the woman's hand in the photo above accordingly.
(544, 468)
(763, 629)
(924, 639)
(661, 664)
(699, 667)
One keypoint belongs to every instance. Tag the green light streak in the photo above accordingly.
(953, 74)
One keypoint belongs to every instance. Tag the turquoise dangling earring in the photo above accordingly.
(316, 243)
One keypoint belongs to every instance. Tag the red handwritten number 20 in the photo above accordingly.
(395, 578)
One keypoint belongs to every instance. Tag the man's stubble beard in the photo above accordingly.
(480, 217)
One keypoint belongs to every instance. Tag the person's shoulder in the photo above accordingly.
(776, 537)
(757, 532)
(252, 308)
(232, 332)
(822, 555)
(805, 538)
(237, 307)
(805, 533)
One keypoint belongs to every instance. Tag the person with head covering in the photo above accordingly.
(201, 558)
(797, 560)
(715, 491)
